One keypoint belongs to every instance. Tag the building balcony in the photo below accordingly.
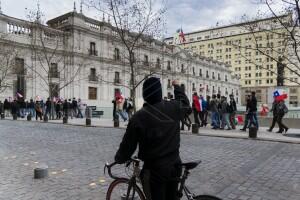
(93, 78)
(117, 81)
(93, 52)
(54, 74)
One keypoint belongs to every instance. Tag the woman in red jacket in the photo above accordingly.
(196, 108)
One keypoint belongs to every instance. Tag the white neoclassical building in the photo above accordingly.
(77, 56)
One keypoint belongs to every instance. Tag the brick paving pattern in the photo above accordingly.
(230, 169)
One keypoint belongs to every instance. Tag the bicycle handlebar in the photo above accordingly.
(109, 166)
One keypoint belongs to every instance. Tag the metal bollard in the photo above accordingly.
(2, 116)
(41, 172)
(195, 128)
(45, 118)
(65, 120)
(88, 115)
(15, 116)
(253, 132)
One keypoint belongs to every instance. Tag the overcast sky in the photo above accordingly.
(191, 15)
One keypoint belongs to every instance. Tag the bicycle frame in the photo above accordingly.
(183, 188)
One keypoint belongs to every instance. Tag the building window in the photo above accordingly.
(200, 72)
(213, 75)
(117, 54)
(93, 76)
(169, 84)
(92, 93)
(117, 77)
(157, 63)
(53, 72)
(207, 76)
(193, 86)
(182, 69)
(169, 65)
(92, 50)
(194, 71)
(20, 84)
(146, 60)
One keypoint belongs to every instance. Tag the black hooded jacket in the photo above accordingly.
(156, 130)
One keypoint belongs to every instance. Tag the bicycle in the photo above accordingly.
(130, 189)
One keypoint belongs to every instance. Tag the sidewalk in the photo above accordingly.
(293, 135)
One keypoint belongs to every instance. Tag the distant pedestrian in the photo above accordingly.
(80, 109)
(232, 111)
(1, 108)
(66, 108)
(215, 118)
(275, 114)
(196, 108)
(7, 108)
(282, 110)
(38, 110)
(225, 113)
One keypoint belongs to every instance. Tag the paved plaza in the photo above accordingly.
(231, 169)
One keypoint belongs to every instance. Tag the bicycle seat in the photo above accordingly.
(191, 165)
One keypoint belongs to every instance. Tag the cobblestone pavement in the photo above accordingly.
(231, 168)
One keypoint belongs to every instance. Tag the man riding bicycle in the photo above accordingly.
(156, 129)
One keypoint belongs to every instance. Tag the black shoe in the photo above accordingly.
(279, 131)
(243, 129)
(228, 129)
(269, 130)
(189, 127)
(286, 130)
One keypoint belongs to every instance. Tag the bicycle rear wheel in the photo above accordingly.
(206, 197)
(118, 190)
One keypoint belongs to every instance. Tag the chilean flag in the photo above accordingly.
(181, 36)
(280, 95)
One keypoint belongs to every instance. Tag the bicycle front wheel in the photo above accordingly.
(118, 191)
(206, 197)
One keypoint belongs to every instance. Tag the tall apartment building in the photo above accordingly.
(237, 45)
(96, 47)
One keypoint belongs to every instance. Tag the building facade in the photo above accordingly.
(77, 56)
(248, 49)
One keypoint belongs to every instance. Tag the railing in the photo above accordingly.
(54, 74)
(93, 52)
(93, 78)
(117, 81)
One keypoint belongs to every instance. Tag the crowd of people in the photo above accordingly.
(52, 109)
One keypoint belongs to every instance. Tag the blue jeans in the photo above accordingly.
(225, 120)
(215, 119)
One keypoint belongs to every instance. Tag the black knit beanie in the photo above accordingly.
(152, 92)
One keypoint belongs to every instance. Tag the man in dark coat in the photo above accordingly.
(156, 129)
(275, 115)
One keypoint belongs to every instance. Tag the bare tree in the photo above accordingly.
(135, 23)
(8, 53)
(55, 65)
(281, 33)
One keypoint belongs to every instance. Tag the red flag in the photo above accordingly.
(182, 36)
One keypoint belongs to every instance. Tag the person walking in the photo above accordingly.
(253, 110)
(203, 111)
(7, 108)
(155, 130)
(31, 108)
(225, 113)
(275, 115)
(119, 107)
(247, 114)
(80, 109)
(232, 111)
(114, 102)
(66, 108)
(58, 109)
(1, 108)
(130, 108)
(48, 108)
(74, 109)
(196, 108)
(38, 110)
(282, 110)
(215, 118)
